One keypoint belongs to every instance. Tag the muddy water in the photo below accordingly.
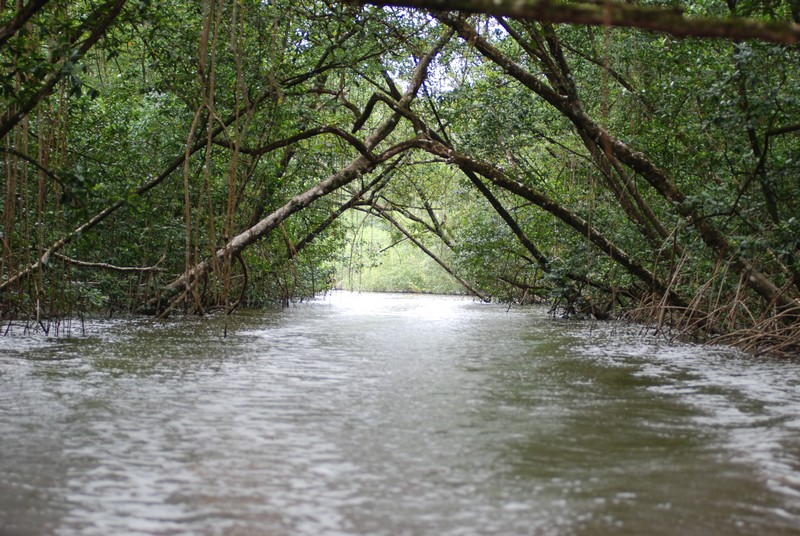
(390, 414)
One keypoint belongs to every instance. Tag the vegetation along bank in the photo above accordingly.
(627, 159)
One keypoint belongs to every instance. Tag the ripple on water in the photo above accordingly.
(393, 414)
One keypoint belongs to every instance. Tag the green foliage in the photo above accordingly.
(378, 260)
(194, 97)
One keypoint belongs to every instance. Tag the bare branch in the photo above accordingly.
(111, 267)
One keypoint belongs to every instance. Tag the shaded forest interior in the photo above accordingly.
(634, 160)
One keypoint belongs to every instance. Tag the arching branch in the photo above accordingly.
(499, 178)
(110, 267)
(358, 167)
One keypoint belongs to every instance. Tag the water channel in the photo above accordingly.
(392, 414)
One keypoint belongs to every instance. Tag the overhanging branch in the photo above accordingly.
(614, 13)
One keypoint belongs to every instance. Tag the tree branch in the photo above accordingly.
(105, 16)
(259, 151)
(499, 178)
(657, 19)
(359, 166)
(24, 14)
(111, 267)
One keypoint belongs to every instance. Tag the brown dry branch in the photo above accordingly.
(774, 335)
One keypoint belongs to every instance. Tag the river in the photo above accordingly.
(392, 414)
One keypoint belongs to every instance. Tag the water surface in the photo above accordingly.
(393, 414)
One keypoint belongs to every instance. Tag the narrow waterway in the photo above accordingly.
(393, 414)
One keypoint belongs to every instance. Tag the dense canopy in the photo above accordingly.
(163, 156)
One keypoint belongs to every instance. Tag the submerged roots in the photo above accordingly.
(734, 325)
(776, 335)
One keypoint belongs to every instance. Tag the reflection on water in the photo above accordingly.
(392, 414)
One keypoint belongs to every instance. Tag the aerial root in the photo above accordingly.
(733, 324)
